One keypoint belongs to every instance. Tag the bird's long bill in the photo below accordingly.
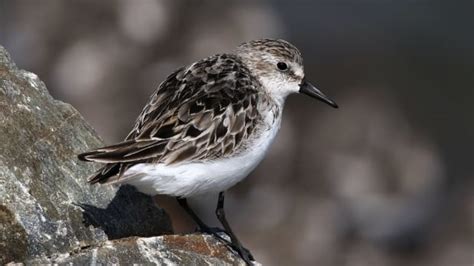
(308, 89)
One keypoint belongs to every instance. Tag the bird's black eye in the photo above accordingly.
(282, 66)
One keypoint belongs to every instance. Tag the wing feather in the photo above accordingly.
(198, 113)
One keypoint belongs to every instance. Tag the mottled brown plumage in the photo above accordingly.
(210, 110)
(202, 112)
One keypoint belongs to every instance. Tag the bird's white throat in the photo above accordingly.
(279, 89)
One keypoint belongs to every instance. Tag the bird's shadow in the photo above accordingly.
(130, 213)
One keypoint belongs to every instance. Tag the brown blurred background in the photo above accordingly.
(387, 179)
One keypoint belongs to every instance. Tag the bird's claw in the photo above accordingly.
(244, 254)
(222, 235)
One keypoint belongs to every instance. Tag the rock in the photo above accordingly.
(161, 250)
(48, 212)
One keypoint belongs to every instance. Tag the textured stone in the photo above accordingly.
(161, 250)
(48, 212)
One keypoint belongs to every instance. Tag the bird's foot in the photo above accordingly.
(243, 253)
(217, 232)
(237, 248)
(211, 230)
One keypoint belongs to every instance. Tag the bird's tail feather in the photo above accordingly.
(105, 173)
(124, 152)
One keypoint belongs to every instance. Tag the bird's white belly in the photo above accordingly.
(189, 179)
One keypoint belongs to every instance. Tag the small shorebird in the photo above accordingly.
(207, 126)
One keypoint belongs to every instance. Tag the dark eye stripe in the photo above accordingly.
(292, 74)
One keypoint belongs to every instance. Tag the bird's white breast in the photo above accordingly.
(188, 179)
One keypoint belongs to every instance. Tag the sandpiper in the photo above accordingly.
(207, 126)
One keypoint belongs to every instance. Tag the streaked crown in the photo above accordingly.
(279, 48)
(276, 63)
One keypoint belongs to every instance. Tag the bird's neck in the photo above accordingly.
(271, 110)
(275, 90)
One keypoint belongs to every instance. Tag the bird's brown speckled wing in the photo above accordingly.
(201, 112)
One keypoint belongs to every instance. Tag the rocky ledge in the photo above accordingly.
(49, 214)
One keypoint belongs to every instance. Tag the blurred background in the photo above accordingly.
(387, 179)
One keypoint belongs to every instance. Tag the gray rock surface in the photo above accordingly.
(160, 250)
(48, 213)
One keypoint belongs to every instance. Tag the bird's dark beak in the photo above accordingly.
(308, 89)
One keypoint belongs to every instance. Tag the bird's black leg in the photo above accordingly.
(202, 226)
(184, 204)
(235, 243)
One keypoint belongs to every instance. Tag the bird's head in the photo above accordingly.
(279, 67)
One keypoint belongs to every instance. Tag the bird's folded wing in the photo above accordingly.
(204, 111)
